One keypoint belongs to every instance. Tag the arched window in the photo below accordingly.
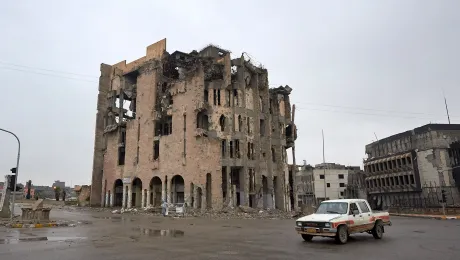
(222, 123)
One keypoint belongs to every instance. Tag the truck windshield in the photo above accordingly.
(332, 208)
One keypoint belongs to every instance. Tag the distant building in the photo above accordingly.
(324, 181)
(403, 165)
(60, 184)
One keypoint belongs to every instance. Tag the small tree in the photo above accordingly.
(57, 191)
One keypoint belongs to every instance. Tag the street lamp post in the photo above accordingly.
(17, 170)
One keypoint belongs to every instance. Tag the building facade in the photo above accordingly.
(323, 181)
(405, 163)
(60, 184)
(198, 128)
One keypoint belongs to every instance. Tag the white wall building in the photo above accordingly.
(331, 178)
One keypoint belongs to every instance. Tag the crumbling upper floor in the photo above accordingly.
(210, 78)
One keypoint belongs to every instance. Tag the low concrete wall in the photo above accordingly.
(426, 211)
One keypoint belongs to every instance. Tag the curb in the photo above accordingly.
(426, 216)
(46, 225)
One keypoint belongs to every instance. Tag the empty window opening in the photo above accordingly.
(218, 97)
(224, 147)
(222, 123)
(202, 121)
(412, 179)
(122, 147)
(156, 150)
(401, 180)
(224, 183)
(252, 180)
(392, 182)
(328, 185)
(261, 104)
(396, 180)
(206, 96)
(403, 161)
(215, 96)
(231, 149)
(236, 101)
(240, 124)
(273, 155)
(237, 149)
(321, 176)
(248, 125)
(228, 97)
(409, 160)
(342, 185)
(164, 127)
(262, 127)
(341, 176)
(406, 179)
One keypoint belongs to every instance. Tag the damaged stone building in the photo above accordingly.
(198, 128)
(405, 164)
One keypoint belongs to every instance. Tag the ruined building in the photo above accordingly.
(198, 128)
(406, 165)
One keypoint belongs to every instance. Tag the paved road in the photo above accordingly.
(140, 237)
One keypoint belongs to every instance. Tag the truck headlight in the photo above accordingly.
(328, 225)
(299, 224)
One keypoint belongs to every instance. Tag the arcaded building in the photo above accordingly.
(198, 128)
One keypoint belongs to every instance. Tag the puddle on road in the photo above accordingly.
(160, 232)
(35, 239)
(115, 218)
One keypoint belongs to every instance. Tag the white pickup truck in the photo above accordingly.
(341, 218)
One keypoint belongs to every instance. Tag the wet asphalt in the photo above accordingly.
(108, 236)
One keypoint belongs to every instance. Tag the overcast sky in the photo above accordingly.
(356, 67)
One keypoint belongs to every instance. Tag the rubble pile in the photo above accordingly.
(240, 212)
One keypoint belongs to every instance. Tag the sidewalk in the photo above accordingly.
(441, 217)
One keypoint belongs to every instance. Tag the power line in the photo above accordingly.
(51, 75)
(368, 109)
(368, 114)
(56, 71)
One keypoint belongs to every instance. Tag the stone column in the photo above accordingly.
(187, 193)
(195, 197)
(170, 193)
(143, 192)
(228, 190)
(149, 203)
(163, 191)
(125, 191)
(106, 203)
(130, 196)
(112, 194)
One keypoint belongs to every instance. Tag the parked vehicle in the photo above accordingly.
(340, 218)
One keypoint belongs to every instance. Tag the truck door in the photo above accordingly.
(355, 218)
(366, 213)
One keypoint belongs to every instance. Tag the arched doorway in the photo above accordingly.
(177, 189)
(118, 193)
(199, 194)
(155, 191)
(136, 196)
(265, 191)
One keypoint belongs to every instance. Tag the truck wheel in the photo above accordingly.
(377, 231)
(307, 238)
(342, 235)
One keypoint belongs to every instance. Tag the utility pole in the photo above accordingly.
(17, 170)
(324, 167)
(294, 170)
(447, 109)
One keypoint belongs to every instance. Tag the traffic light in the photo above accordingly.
(13, 170)
(11, 182)
(444, 197)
